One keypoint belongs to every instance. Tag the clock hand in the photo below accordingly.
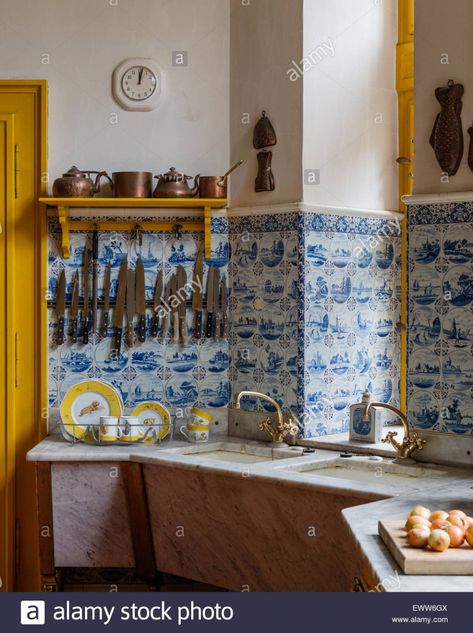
(140, 75)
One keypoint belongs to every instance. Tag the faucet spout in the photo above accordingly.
(282, 430)
(411, 440)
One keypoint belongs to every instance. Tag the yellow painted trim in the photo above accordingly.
(405, 89)
(137, 203)
(68, 224)
(7, 480)
(24, 433)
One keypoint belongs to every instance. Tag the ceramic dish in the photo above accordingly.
(152, 414)
(85, 403)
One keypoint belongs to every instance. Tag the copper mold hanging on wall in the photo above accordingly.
(470, 150)
(447, 135)
(265, 178)
(264, 134)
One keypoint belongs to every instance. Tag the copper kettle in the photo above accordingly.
(173, 184)
(78, 184)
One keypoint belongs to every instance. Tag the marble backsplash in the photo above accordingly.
(440, 317)
(315, 302)
(154, 370)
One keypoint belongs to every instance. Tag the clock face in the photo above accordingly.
(139, 83)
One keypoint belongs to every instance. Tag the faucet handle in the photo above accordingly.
(389, 437)
(418, 441)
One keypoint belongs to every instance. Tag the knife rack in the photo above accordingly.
(68, 223)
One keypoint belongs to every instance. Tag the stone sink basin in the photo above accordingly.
(384, 472)
(238, 452)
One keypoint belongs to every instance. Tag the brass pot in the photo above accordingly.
(132, 184)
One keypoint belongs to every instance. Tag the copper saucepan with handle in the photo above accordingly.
(216, 186)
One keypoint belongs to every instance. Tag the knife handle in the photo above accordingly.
(175, 327)
(85, 330)
(155, 326)
(224, 325)
(210, 325)
(74, 330)
(117, 342)
(142, 328)
(60, 331)
(104, 329)
(129, 334)
(164, 327)
(198, 324)
(183, 327)
(217, 327)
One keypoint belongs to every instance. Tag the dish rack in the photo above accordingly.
(117, 434)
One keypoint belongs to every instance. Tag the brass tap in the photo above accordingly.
(411, 440)
(283, 428)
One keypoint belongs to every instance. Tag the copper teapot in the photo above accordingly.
(78, 184)
(173, 184)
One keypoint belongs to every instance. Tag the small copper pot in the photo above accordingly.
(216, 186)
(132, 184)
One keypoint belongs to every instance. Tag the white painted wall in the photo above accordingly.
(349, 89)
(441, 29)
(86, 40)
(265, 36)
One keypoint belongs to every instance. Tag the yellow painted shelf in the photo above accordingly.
(68, 223)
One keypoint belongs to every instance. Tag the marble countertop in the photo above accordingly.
(363, 524)
(437, 486)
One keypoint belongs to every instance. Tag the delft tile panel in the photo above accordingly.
(350, 290)
(312, 296)
(154, 370)
(440, 317)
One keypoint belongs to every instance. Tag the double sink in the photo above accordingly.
(293, 461)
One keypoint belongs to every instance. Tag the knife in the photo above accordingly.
(119, 308)
(165, 307)
(86, 311)
(175, 314)
(217, 311)
(197, 287)
(182, 309)
(106, 300)
(158, 291)
(130, 305)
(210, 302)
(74, 307)
(223, 305)
(95, 274)
(141, 300)
(61, 306)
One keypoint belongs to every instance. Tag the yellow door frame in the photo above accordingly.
(35, 281)
(405, 90)
(7, 455)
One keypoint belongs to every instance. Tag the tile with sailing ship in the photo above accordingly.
(244, 252)
(424, 410)
(340, 287)
(316, 324)
(272, 287)
(424, 244)
(215, 357)
(425, 286)
(424, 327)
(424, 368)
(457, 328)
(362, 287)
(76, 358)
(271, 327)
(181, 251)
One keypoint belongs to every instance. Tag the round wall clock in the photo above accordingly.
(138, 84)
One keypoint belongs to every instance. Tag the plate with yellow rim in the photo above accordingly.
(85, 403)
(152, 414)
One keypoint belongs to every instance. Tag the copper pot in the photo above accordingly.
(216, 186)
(132, 184)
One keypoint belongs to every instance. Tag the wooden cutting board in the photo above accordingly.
(424, 562)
